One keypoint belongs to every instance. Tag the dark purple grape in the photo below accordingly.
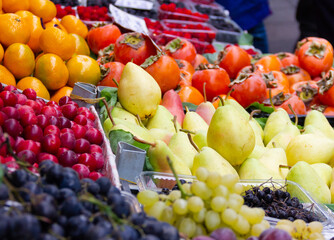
(223, 233)
(275, 234)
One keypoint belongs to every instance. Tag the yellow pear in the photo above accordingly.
(318, 120)
(324, 171)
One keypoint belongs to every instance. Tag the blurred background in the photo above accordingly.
(281, 25)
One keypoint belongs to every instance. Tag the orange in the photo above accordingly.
(44, 9)
(20, 60)
(64, 91)
(54, 40)
(52, 71)
(6, 76)
(38, 56)
(13, 29)
(0, 6)
(83, 69)
(55, 23)
(1, 53)
(216, 102)
(36, 84)
(36, 30)
(11, 6)
(81, 46)
(73, 24)
(191, 94)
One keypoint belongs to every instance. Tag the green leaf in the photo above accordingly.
(260, 106)
(330, 206)
(245, 39)
(147, 165)
(191, 106)
(110, 94)
(261, 121)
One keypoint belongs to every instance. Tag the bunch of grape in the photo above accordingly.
(299, 230)
(58, 205)
(199, 208)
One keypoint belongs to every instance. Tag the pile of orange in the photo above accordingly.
(49, 60)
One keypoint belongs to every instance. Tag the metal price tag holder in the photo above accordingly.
(83, 90)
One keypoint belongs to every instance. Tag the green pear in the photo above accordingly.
(138, 92)
(324, 171)
(282, 139)
(258, 131)
(162, 119)
(314, 130)
(127, 126)
(252, 169)
(194, 122)
(231, 135)
(161, 134)
(318, 120)
(120, 113)
(213, 162)
(206, 111)
(311, 148)
(158, 153)
(181, 147)
(200, 138)
(237, 106)
(257, 152)
(277, 122)
(272, 159)
(303, 174)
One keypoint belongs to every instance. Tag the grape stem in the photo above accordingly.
(183, 193)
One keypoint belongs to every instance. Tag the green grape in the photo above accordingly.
(156, 210)
(299, 228)
(201, 189)
(241, 226)
(163, 197)
(173, 195)
(221, 190)
(147, 197)
(200, 216)
(229, 216)
(285, 227)
(229, 180)
(315, 227)
(200, 230)
(257, 229)
(238, 188)
(284, 222)
(168, 215)
(195, 204)
(316, 236)
(178, 221)
(212, 220)
(201, 174)
(253, 215)
(187, 188)
(180, 206)
(218, 204)
(188, 227)
(265, 223)
(235, 201)
(213, 180)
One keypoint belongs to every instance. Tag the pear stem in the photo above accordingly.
(192, 142)
(229, 93)
(271, 100)
(143, 141)
(139, 120)
(284, 166)
(187, 131)
(183, 193)
(187, 109)
(221, 100)
(204, 91)
(109, 111)
(253, 112)
(274, 144)
(175, 123)
(116, 83)
(294, 113)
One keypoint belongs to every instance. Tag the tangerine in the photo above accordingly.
(52, 71)
(83, 69)
(1, 53)
(11, 6)
(53, 40)
(19, 59)
(44, 9)
(13, 29)
(36, 84)
(6, 76)
(73, 24)
(61, 92)
(191, 95)
(81, 46)
(55, 23)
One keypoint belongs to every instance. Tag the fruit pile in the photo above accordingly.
(210, 10)
(171, 11)
(37, 130)
(62, 11)
(58, 205)
(93, 13)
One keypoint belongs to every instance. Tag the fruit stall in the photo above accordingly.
(157, 119)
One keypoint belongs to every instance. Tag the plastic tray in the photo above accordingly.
(156, 181)
(227, 30)
(180, 16)
(132, 200)
(212, 9)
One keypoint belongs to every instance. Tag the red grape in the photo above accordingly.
(88, 160)
(95, 175)
(28, 145)
(50, 143)
(42, 121)
(27, 156)
(30, 93)
(80, 119)
(67, 140)
(81, 146)
(94, 136)
(79, 131)
(64, 100)
(68, 158)
(46, 156)
(69, 111)
(51, 129)
(21, 99)
(33, 132)
(12, 127)
(11, 112)
(63, 122)
(95, 148)
(9, 98)
(49, 111)
(82, 170)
